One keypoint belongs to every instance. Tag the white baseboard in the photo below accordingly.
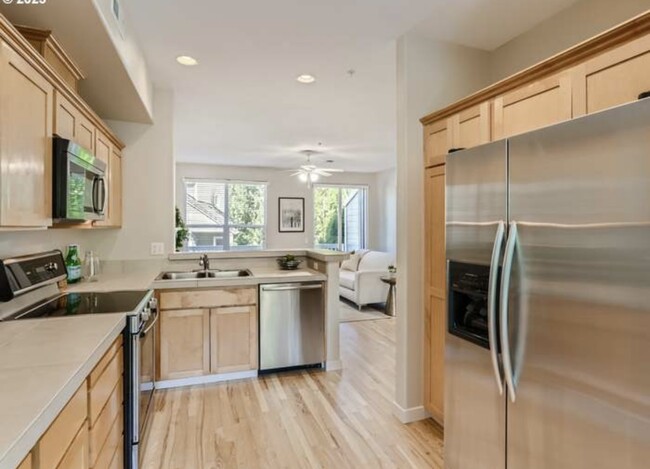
(175, 383)
(333, 365)
(412, 414)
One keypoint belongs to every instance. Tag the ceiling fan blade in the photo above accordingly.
(332, 170)
(297, 173)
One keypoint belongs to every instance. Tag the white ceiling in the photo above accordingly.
(242, 105)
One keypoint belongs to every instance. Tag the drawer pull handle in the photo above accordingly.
(645, 94)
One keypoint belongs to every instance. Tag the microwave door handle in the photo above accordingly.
(492, 300)
(101, 201)
(505, 291)
(94, 192)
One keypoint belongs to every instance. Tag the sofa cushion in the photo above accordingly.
(376, 260)
(346, 279)
(352, 264)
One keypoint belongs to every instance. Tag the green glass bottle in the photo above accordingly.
(73, 263)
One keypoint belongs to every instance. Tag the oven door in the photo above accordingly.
(147, 370)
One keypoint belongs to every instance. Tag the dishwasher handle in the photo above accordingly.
(292, 287)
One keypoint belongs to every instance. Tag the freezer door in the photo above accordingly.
(474, 407)
(579, 315)
(476, 201)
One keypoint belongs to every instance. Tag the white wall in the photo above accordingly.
(577, 23)
(281, 184)
(430, 74)
(386, 217)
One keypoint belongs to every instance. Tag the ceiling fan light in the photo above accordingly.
(313, 177)
(303, 177)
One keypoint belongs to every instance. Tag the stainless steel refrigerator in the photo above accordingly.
(548, 343)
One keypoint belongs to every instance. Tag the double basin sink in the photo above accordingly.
(202, 274)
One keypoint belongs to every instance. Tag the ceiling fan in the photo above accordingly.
(311, 173)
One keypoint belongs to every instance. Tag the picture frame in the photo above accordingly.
(291, 214)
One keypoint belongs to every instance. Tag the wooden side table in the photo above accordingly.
(391, 280)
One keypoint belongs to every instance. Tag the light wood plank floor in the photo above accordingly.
(301, 420)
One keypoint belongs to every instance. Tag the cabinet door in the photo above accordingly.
(435, 328)
(103, 147)
(26, 104)
(184, 343)
(613, 78)
(437, 142)
(471, 127)
(76, 457)
(435, 292)
(233, 339)
(85, 133)
(537, 105)
(66, 117)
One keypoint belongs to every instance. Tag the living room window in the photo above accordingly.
(225, 215)
(340, 217)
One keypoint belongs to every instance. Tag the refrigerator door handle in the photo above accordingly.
(505, 290)
(492, 297)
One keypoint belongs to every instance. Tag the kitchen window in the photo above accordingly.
(225, 215)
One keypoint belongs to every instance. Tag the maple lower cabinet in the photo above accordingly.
(613, 78)
(542, 103)
(184, 343)
(207, 331)
(233, 339)
(27, 109)
(76, 457)
(435, 292)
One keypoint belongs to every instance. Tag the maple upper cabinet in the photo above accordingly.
(437, 141)
(471, 127)
(435, 292)
(612, 78)
(544, 102)
(27, 108)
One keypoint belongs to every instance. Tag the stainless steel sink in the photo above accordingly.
(204, 274)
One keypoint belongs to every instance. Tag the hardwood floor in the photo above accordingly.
(300, 420)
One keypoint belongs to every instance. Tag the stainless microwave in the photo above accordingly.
(79, 183)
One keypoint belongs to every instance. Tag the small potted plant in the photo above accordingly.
(288, 262)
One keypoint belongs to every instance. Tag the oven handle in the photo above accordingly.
(492, 297)
(135, 376)
(153, 323)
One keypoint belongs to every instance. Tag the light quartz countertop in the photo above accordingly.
(44, 361)
(133, 275)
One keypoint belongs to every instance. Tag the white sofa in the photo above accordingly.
(362, 285)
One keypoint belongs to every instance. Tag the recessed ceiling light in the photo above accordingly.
(306, 79)
(187, 60)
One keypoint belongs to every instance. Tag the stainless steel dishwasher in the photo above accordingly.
(292, 325)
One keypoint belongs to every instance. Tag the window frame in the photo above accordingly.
(340, 187)
(227, 225)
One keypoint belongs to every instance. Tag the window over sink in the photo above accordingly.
(225, 215)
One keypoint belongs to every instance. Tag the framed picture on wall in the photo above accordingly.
(291, 212)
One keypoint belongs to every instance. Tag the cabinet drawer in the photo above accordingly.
(77, 455)
(100, 431)
(63, 430)
(208, 298)
(104, 362)
(112, 445)
(118, 457)
(101, 391)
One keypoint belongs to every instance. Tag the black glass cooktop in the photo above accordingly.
(72, 304)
